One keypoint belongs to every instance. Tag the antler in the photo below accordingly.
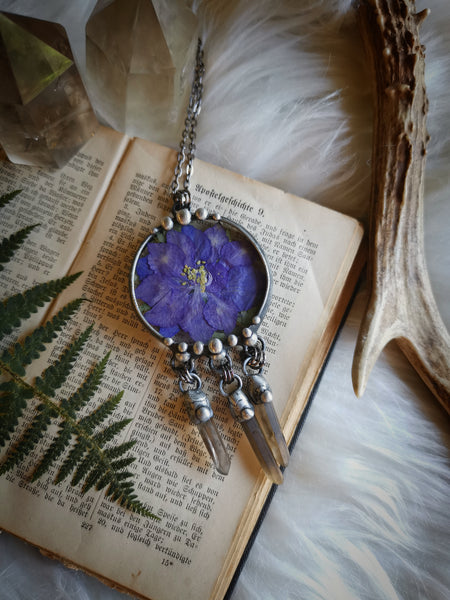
(401, 304)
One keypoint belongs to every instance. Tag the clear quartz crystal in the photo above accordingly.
(140, 56)
(45, 114)
(214, 444)
(270, 426)
(262, 450)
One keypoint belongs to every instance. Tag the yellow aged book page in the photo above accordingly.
(63, 203)
(205, 518)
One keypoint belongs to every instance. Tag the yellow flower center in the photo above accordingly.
(198, 275)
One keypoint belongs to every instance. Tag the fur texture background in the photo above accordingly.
(364, 510)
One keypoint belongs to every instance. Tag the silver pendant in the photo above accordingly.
(201, 284)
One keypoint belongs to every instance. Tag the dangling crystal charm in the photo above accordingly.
(243, 412)
(200, 414)
(261, 397)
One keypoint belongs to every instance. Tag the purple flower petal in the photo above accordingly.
(218, 237)
(167, 259)
(169, 331)
(152, 289)
(193, 321)
(221, 313)
(185, 244)
(202, 245)
(142, 268)
(238, 253)
(245, 284)
(168, 310)
(219, 278)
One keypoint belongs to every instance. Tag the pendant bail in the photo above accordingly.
(181, 200)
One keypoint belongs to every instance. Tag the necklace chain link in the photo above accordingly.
(186, 152)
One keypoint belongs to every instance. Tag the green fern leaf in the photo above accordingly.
(13, 401)
(9, 245)
(123, 463)
(29, 438)
(6, 198)
(72, 405)
(83, 468)
(91, 421)
(23, 354)
(20, 306)
(123, 494)
(92, 478)
(85, 392)
(55, 376)
(99, 440)
(83, 447)
(54, 451)
(116, 451)
(110, 432)
(104, 481)
(76, 453)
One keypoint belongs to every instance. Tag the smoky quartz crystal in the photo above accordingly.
(45, 113)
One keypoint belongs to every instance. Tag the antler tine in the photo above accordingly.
(401, 304)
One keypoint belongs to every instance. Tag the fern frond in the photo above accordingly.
(88, 459)
(13, 401)
(93, 465)
(110, 432)
(85, 392)
(99, 439)
(103, 481)
(98, 442)
(45, 387)
(91, 421)
(9, 245)
(116, 451)
(123, 494)
(29, 438)
(21, 355)
(122, 463)
(55, 375)
(20, 306)
(83, 468)
(54, 451)
(76, 453)
(71, 405)
(93, 477)
(5, 198)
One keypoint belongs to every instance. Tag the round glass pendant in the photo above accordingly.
(199, 277)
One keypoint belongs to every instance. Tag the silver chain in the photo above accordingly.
(185, 157)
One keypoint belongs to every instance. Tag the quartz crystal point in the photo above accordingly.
(140, 58)
(270, 426)
(214, 444)
(201, 415)
(262, 451)
(244, 412)
(45, 114)
(261, 396)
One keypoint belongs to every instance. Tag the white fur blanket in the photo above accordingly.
(364, 510)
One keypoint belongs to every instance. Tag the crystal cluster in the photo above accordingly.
(139, 61)
(45, 114)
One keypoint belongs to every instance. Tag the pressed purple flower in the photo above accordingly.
(198, 282)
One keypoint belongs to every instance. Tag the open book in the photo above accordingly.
(93, 214)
